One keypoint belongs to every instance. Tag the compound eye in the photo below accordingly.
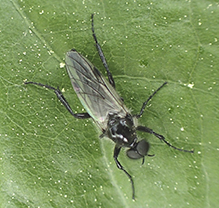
(139, 151)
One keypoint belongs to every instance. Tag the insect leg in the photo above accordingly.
(102, 57)
(115, 156)
(146, 129)
(62, 99)
(145, 103)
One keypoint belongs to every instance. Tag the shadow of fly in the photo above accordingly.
(106, 107)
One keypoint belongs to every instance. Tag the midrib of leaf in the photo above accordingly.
(111, 175)
(34, 30)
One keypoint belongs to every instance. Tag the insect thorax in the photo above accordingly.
(121, 130)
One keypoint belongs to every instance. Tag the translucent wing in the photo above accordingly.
(97, 96)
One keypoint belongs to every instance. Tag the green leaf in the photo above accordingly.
(50, 159)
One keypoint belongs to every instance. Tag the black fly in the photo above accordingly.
(105, 106)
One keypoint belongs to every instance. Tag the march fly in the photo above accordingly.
(106, 107)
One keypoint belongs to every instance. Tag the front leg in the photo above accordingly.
(162, 138)
(115, 156)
